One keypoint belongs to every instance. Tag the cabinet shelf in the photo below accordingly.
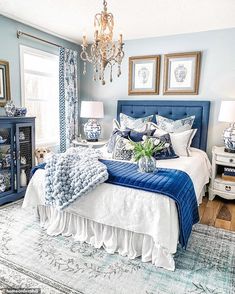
(3, 169)
(25, 165)
(24, 141)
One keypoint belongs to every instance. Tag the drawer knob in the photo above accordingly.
(228, 188)
(230, 160)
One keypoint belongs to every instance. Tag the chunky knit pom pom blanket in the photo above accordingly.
(72, 174)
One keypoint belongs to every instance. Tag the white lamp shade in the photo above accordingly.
(92, 109)
(227, 111)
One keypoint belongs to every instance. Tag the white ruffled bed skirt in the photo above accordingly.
(112, 239)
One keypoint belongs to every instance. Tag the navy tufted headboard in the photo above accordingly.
(174, 110)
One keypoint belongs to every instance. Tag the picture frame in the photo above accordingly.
(181, 73)
(5, 92)
(144, 75)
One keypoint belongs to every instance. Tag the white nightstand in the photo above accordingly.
(84, 143)
(218, 186)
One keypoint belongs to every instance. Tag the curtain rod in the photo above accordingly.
(20, 33)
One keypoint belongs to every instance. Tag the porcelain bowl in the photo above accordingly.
(20, 111)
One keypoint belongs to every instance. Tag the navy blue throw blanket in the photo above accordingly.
(173, 183)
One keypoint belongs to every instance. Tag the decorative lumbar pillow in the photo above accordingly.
(121, 152)
(175, 126)
(166, 153)
(138, 136)
(181, 142)
(116, 133)
(134, 123)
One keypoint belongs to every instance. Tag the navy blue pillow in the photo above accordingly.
(166, 153)
(137, 136)
(113, 138)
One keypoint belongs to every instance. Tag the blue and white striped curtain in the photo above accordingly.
(68, 97)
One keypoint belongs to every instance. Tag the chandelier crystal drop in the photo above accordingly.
(104, 51)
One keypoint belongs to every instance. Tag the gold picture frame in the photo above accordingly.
(5, 92)
(182, 73)
(144, 75)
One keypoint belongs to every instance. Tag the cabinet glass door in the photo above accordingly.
(25, 157)
(6, 160)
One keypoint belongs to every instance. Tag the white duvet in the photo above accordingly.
(134, 210)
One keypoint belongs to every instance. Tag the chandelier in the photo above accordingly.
(103, 52)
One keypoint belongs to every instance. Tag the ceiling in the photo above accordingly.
(134, 18)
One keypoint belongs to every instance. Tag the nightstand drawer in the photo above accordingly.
(224, 187)
(225, 159)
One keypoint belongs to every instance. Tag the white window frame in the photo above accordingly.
(38, 52)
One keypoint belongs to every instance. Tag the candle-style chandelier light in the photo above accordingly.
(104, 52)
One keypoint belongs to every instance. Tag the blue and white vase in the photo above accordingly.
(92, 130)
(147, 164)
(10, 108)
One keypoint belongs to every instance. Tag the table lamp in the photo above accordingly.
(92, 110)
(227, 114)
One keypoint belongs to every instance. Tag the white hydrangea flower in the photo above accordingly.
(156, 142)
(129, 146)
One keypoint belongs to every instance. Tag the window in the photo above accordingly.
(40, 93)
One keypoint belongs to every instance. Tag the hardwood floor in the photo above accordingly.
(219, 213)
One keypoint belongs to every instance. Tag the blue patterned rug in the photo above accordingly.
(31, 259)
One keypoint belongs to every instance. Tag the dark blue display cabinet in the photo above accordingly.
(17, 144)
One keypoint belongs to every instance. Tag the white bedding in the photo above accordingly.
(124, 209)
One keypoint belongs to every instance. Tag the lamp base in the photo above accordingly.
(229, 150)
(92, 130)
(229, 139)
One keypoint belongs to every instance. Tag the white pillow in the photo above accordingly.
(181, 142)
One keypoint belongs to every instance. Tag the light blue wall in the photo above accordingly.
(10, 50)
(217, 80)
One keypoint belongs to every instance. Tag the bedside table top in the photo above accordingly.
(220, 151)
(86, 143)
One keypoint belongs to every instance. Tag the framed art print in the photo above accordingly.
(4, 83)
(144, 75)
(181, 73)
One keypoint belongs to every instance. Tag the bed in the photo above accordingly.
(131, 222)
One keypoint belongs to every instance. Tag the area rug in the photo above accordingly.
(31, 259)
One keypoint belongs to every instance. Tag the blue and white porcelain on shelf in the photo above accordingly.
(21, 136)
(92, 130)
(2, 141)
(20, 111)
(10, 108)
